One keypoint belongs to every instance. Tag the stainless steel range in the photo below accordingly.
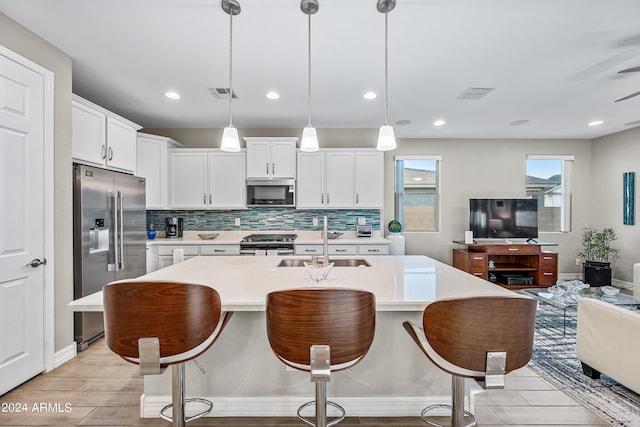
(267, 244)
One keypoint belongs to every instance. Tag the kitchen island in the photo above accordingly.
(243, 376)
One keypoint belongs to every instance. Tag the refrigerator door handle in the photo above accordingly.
(121, 200)
(113, 195)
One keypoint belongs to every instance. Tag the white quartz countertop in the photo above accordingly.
(400, 283)
(304, 237)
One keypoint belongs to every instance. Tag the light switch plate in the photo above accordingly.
(362, 221)
(237, 221)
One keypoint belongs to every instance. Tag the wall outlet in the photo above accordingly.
(314, 221)
(578, 261)
(362, 221)
(237, 221)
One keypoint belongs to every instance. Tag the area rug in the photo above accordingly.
(554, 359)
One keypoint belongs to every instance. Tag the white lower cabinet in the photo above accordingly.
(373, 249)
(169, 255)
(161, 256)
(354, 249)
(220, 250)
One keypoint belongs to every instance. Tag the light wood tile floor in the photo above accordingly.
(97, 388)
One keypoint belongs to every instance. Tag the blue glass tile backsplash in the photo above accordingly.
(266, 219)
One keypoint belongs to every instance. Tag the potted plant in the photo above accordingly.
(597, 254)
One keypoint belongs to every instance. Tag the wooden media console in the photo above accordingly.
(514, 265)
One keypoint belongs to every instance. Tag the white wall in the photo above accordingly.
(612, 156)
(22, 41)
(474, 168)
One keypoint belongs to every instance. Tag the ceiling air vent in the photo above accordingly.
(475, 92)
(221, 92)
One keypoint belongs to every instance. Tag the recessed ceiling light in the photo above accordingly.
(172, 95)
(273, 95)
(403, 122)
(369, 96)
(596, 123)
(439, 123)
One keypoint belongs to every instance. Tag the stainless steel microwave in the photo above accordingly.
(273, 192)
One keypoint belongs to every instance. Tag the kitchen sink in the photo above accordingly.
(351, 262)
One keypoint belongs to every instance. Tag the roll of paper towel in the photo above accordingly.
(468, 237)
(397, 244)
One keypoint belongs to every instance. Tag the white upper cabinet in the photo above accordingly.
(269, 158)
(369, 179)
(152, 163)
(102, 138)
(227, 181)
(325, 180)
(206, 179)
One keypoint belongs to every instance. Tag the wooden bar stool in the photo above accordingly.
(321, 331)
(157, 324)
(479, 337)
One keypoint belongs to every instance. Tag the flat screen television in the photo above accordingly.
(503, 218)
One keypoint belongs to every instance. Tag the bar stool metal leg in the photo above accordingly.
(457, 406)
(178, 401)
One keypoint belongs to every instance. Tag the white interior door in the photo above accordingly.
(21, 223)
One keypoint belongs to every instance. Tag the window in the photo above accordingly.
(417, 201)
(549, 181)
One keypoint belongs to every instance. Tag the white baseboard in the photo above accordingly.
(63, 356)
(360, 406)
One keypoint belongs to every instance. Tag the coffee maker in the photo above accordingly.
(174, 228)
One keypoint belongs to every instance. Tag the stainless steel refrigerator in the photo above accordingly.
(109, 238)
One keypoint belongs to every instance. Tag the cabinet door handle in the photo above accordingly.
(357, 198)
(477, 274)
(220, 250)
(322, 198)
(477, 257)
(341, 250)
(373, 250)
(204, 199)
(273, 168)
(267, 168)
(110, 153)
(311, 250)
(547, 258)
(513, 249)
(210, 199)
(104, 151)
(327, 198)
(547, 274)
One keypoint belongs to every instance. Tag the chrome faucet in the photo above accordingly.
(325, 241)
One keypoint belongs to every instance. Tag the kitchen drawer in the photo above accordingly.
(308, 249)
(477, 262)
(220, 250)
(513, 249)
(343, 249)
(548, 262)
(190, 250)
(373, 249)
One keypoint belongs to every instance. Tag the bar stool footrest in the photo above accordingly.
(424, 415)
(310, 421)
(208, 403)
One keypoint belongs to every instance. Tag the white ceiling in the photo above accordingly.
(552, 62)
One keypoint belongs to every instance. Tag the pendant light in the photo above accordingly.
(386, 138)
(309, 141)
(230, 140)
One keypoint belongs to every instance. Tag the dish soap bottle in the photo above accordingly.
(151, 233)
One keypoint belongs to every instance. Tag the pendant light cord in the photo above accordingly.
(386, 69)
(230, 68)
(309, 72)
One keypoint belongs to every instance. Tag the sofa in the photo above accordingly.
(608, 342)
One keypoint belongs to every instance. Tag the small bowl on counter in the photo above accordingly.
(208, 236)
(317, 270)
